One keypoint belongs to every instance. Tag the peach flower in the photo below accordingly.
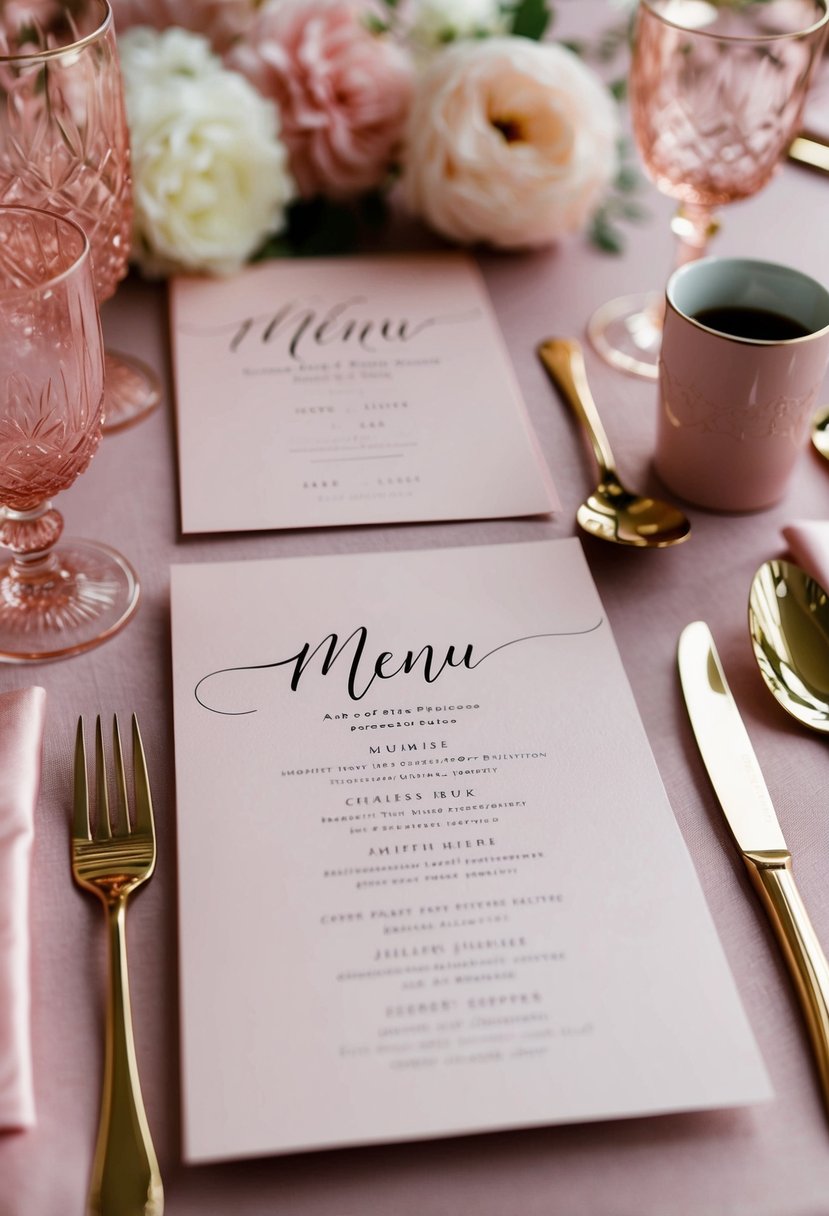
(511, 142)
(221, 21)
(343, 92)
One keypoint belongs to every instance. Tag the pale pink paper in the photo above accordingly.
(300, 404)
(445, 906)
(809, 543)
(21, 734)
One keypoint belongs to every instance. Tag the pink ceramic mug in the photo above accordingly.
(744, 351)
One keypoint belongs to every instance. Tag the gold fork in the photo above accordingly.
(112, 863)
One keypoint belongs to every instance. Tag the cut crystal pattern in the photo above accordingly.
(64, 145)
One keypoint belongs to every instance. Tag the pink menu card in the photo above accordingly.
(319, 392)
(426, 888)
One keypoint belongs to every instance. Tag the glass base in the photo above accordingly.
(627, 333)
(131, 392)
(86, 597)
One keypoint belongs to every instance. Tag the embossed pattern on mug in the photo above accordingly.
(688, 407)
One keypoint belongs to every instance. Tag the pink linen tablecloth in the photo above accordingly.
(768, 1161)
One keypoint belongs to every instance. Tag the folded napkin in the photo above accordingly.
(21, 737)
(809, 543)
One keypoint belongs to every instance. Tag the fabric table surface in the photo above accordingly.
(771, 1160)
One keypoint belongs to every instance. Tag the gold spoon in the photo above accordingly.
(820, 431)
(611, 512)
(788, 618)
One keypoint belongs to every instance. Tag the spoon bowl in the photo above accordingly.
(788, 617)
(611, 512)
(820, 431)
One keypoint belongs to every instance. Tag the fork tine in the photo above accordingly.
(121, 822)
(102, 829)
(80, 801)
(143, 797)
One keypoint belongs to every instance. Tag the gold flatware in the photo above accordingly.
(810, 150)
(738, 782)
(112, 861)
(611, 512)
(788, 619)
(820, 431)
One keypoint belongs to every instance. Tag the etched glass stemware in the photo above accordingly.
(55, 599)
(64, 147)
(717, 89)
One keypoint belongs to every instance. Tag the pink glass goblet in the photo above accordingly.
(56, 599)
(64, 147)
(717, 91)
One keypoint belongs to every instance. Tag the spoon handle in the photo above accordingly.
(564, 361)
(771, 874)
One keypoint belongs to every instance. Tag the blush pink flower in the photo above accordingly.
(343, 92)
(511, 142)
(221, 21)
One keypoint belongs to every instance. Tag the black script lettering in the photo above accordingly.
(427, 660)
(301, 324)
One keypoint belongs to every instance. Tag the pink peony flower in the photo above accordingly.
(343, 92)
(221, 21)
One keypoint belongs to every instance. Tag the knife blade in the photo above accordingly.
(738, 782)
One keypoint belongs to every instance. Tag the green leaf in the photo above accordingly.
(604, 235)
(628, 180)
(619, 88)
(530, 18)
(633, 211)
(318, 227)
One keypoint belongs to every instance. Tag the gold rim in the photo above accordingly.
(54, 52)
(702, 33)
(6, 293)
(719, 333)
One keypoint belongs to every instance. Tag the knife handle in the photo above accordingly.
(771, 873)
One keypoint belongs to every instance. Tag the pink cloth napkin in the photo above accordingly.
(21, 738)
(809, 543)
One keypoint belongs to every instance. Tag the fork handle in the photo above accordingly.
(125, 1176)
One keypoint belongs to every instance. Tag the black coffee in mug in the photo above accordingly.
(761, 324)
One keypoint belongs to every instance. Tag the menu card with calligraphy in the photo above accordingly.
(320, 392)
(426, 887)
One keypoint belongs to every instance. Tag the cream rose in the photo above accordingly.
(210, 178)
(511, 142)
(435, 22)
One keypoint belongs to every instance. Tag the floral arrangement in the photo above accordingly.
(251, 121)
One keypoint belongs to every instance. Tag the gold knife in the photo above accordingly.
(810, 150)
(738, 782)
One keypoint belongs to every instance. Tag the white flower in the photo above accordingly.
(210, 178)
(511, 142)
(148, 57)
(434, 22)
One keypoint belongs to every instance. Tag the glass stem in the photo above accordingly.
(31, 536)
(693, 225)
